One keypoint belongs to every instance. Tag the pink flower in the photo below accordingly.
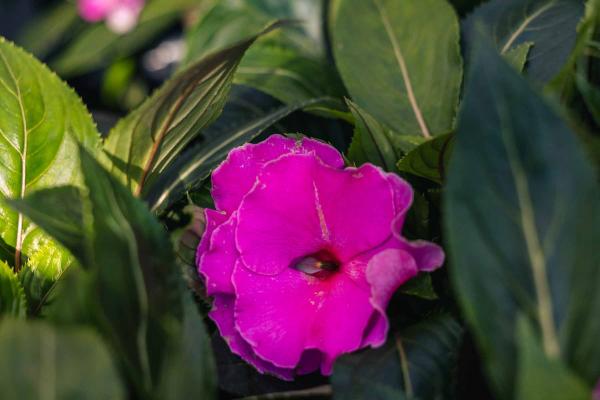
(300, 256)
(120, 15)
(596, 392)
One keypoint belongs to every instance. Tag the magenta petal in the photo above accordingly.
(300, 206)
(403, 198)
(234, 178)
(217, 262)
(281, 316)
(222, 315)
(95, 10)
(428, 256)
(213, 219)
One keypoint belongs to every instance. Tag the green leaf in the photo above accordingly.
(230, 21)
(372, 142)
(287, 74)
(98, 46)
(541, 378)
(564, 83)
(517, 55)
(219, 139)
(400, 61)
(41, 35)
(522, 224)
(420, 286)
(417, 362)
(41, 123)
(12, 296)
(133, 289)
(190, 371)
(549, 24)
(430, 159)
(143, 144)
(40, 361)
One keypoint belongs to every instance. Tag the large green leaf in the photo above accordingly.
(550, 25)
(12, 296)
(41, 122)
(400, 61)
(97, 45)
(523, 224)
(417, 362)
(239, 124)
(541, 378)
(132, 284)
(143, 144)
(42, 362)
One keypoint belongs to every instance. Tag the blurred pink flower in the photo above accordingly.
(120, 15)
(301, 257)
(596, 392)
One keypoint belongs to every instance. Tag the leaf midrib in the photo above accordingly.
(535, 252)
(23, 156)
(524, 25)
(403, 69)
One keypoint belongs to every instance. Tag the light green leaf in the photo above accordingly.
(144, 143)
(416, 362)
(517, 55)
(130, 291)
(12, 296)
(400, 61)
(40, 361)
(98, 46)
(522, 224)
(549, 24)
(541, 378)
(430, 159)
(41, 123)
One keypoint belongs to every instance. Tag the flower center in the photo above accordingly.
(320, 264)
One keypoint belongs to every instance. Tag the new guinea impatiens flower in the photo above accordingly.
(303, 254)
(120, 15)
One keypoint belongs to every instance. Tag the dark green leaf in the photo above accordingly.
(42, 362)
(549, 24)
(419, 286)
(372, 142)
(400, 61)
(44, 32)
(430, 159)
(41, 122)
(98, 46)
(417, 362)
(12, 297)
(148, 140)
(541, 378)
(523, 223)
(287, 74)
